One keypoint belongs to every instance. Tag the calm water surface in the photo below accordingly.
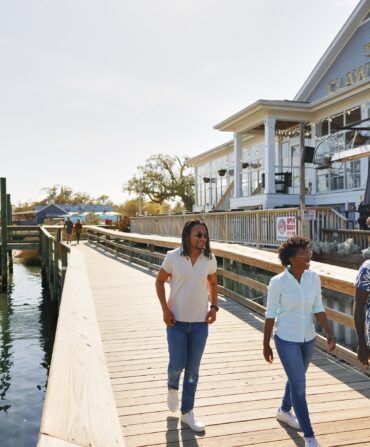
(27, 328)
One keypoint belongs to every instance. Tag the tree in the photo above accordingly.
(63, 195)
(164, 177)
(131, 207)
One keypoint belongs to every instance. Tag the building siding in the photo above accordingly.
(351, 57)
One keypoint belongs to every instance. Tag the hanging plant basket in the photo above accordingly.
(221, 172)
(245, 164)
(231, 172)
(206, 179)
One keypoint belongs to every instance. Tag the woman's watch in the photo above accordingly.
(213, 306)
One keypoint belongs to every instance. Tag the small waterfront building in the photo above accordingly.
(62, 211)
(328, 118)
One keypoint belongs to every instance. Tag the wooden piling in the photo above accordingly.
(9, 222)
(4, 233)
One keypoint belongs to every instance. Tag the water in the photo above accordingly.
(27, 328)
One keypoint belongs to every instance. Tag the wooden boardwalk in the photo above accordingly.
(238, 392)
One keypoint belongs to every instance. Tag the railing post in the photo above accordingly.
(4, 233)
(9, 222)
(55, 269)
(258, 230)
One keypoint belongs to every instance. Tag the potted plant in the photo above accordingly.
(206, 179)
(221, 172)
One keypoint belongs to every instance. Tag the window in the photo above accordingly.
(353, 116)
(336, 123)
(337, 176)
(322, 128)
(322, 180)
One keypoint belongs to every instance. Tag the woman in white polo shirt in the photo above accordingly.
(294, 296)
(192, 270)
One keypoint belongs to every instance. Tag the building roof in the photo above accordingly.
(357, 17)
(40, 208)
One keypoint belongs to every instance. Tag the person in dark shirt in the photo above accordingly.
(68, 227)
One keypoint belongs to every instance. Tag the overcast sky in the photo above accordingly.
(89, 89)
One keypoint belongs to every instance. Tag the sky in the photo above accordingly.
(89, 89)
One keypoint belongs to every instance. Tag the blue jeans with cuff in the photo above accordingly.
(186, 343)
(295, 358)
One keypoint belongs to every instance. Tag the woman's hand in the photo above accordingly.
(267, 353)
(169, 318)
(331, 343)
(363, 354)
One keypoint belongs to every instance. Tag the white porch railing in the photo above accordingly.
(246, 227)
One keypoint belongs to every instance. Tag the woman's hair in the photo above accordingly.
(291, 246)
(185, 237)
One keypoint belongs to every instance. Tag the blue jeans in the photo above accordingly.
(295, 358)
(186, 343)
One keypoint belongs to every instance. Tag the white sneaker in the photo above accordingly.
(288, 418)
(173, 399)
(311, 442)
(194, 424)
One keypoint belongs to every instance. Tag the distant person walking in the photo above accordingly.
(192, 269)
(294, 296)
(68, 227)
(78, 229)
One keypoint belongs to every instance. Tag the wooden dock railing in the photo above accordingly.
(149, 251)
(256, 228)
(79, 407)
(360, 237)
(54, 260)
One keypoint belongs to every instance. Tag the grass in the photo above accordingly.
(30, 258)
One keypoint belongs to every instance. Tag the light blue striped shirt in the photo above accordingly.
(293, 304)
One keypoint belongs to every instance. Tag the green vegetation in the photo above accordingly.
(30, 258)
(164, 178)
(165, 184)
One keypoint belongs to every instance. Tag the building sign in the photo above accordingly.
(308, 214)
(351, 77)
(285, 227)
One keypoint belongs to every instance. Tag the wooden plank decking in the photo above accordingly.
(238, 392)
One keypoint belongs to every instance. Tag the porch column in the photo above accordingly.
(314, 179)
(270, 156)
(365, 114)
(237, 164)
(196, 192)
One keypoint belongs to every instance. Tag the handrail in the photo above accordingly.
(360, 237)
(257, 227)
(337, 279)
(79, 406)
(54, 260)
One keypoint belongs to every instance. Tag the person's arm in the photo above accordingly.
(213, 297)
(272, 308)
(359, 314)
(162, 277)
(322, 318)
(318, 310)
(267, 331)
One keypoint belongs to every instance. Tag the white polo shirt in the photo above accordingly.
(189, 285)
(293, 304)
